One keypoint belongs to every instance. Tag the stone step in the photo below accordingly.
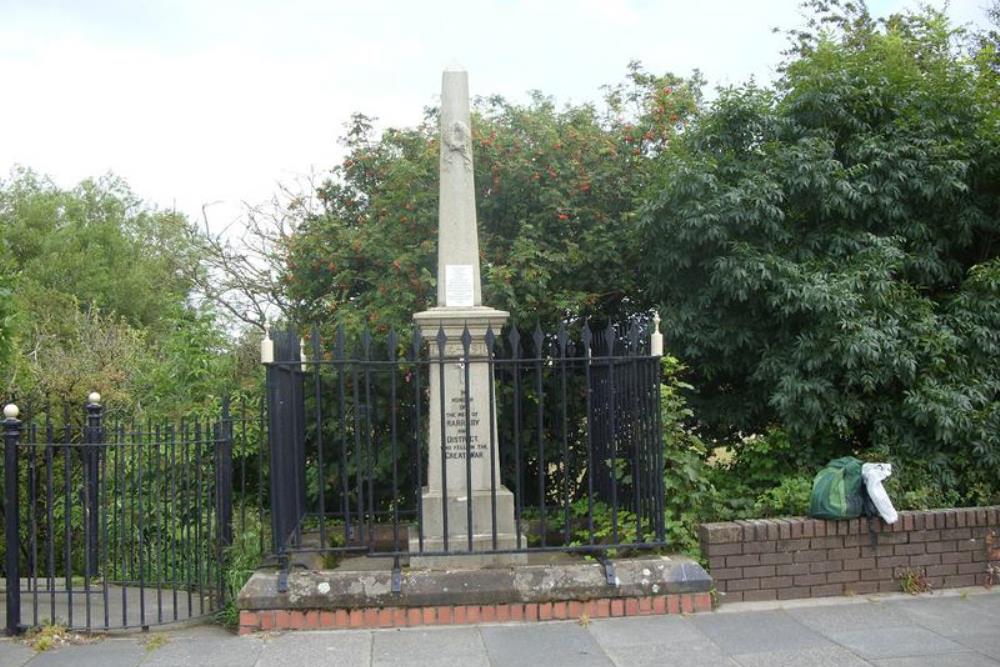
(560, 588)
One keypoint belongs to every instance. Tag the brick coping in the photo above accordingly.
(397, 617)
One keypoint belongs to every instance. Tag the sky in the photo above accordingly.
(212, 103)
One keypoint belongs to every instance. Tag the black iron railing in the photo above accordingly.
(577, 442)
(114, 524)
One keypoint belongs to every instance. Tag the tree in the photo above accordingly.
(826, 251)
(8, 276)
(97, 287)
(555, 192)
(241, 267)
(988, 41)
(97, 242)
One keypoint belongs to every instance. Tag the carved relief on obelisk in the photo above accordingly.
(458, 144)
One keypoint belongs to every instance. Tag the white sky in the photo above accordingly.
(198, 101)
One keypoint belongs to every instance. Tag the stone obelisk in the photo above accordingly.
(461, 480)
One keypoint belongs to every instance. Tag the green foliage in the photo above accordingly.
(53, 635)
(604, 519)
(988, 44)
(192, 364)
(913, 486)
(240, 562)
(97, 243)
(912, 580)
(827, 250)
(8, 276)
(94, 295)
(688, 492)
(555, 191)
(765, 475)
(77, 352)
(789, 498)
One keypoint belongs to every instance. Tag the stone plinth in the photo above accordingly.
(463, 468)
(576, 588)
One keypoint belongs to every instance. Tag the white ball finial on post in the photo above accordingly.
(93, 398)
(656, 339)
(11, 411)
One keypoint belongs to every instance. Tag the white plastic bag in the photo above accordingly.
(873, 474)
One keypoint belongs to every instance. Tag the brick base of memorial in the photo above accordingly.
(781, 559)
(321, 599)
(397, 617)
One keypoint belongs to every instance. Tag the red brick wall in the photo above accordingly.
(781, 559)
(390, 617)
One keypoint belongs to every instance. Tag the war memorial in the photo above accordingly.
(470, 548)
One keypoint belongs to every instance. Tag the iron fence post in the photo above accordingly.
(224, 488)
(11, 435)
(91, 462)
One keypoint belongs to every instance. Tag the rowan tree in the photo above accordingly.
(555, 190)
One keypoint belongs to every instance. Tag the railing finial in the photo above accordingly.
(656, 339)
(267, 346)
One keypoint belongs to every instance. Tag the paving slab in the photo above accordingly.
(343, 648)
(196, 631)
(671, 630)
(644, 641)
(944, 660)
(953, 615)
(117, 652)
(810, 657)
(989, 600)
(128, 607)
(895, 642)
(13, 654)
(847, 617)
(565, 643)
(940, 630)
(987, 643)
(691, 654)
(206, 648)
(758, 632)
(444, 647)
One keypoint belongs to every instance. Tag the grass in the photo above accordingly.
(913, 581)
(242, 559)
(55, 635)
(155, 641)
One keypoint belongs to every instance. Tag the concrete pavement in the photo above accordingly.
(943, 629)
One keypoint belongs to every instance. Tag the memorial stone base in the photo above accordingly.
(454, 390)
(458, 534)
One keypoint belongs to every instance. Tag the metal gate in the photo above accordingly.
(114, 525)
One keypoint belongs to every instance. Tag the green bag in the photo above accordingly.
(838, 490)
